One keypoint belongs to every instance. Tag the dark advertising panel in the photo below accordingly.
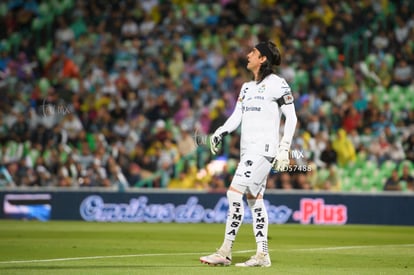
(165, 207)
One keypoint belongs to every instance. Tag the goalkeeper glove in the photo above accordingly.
(215, 141)
(281, 161)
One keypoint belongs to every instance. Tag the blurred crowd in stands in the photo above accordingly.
(124, 94)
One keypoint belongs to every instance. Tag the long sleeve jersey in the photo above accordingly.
(259, 109)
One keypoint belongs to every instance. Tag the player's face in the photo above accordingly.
(254, 60)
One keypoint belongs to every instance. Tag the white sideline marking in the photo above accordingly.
(352, 247)
(199, 253)
(115, 256)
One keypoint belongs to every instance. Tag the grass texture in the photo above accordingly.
(68, 247)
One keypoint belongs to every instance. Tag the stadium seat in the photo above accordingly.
(357, 166)
(383, 97)
(395, 91)
(387, 167)
(365, 184)
(379, 89)
(377, 181)
(346, 184)
(355, 184)
(369, 168)
(409, 96)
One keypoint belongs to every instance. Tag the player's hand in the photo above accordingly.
(215, 140)
(281, 161)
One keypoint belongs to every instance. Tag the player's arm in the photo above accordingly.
(229, 126)
(290, 123)
(281, 161)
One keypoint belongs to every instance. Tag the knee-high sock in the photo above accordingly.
(234, 219)
(260, 223)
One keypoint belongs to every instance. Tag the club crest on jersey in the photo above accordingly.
(262, 88)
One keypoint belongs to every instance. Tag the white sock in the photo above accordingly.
(260, 224)
(234, 220)
(227, 246)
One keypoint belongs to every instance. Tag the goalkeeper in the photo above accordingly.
(259, 109)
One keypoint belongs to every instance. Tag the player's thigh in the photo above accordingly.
(252, 169)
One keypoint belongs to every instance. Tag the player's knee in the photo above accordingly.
(250, 196)
(234, 195)
(255, 203)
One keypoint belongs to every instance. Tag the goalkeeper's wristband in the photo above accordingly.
(284, 145)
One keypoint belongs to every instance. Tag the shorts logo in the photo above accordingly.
(248, 163)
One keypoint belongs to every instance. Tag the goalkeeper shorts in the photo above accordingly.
(251, 174)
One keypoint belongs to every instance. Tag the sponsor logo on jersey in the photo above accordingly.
(252, 109)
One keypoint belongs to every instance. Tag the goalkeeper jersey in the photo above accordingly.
(259, 109)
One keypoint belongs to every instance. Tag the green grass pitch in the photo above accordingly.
(62, 247)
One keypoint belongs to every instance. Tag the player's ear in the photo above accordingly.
(263, 59)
